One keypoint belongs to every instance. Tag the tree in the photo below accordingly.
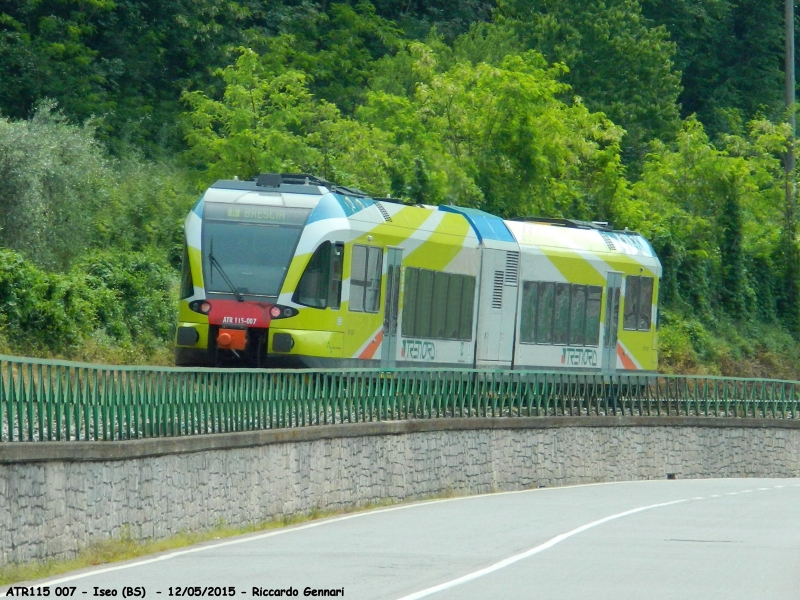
(618, 64)
(732, 274)
(713, 216)
(52, 179)
(499, 137)
(730, 57)
(267, 122)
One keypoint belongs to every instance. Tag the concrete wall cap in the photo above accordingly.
(27, 452)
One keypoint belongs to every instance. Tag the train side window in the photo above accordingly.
(577, 316)
(561, 316)
(424, 302)
(453, 310)
(439, 311)
(631, 311)
(645, 303)
(372, 298)
(594, 299)
(358, 276)
(365, 279)
(314, 286)
(544, 313)
(467, 307)
(187, 283)
(337, 261)
(527, 326)
(438, 305)
(410, 302)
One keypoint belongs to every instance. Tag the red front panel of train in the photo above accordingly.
(242, 314)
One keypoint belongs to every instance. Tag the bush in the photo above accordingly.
(141, 293)
(53, 176)
(127, 298)
(44, 310)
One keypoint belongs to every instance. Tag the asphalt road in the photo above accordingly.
(723, 538)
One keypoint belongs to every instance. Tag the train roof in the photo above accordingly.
(598, 240)
(329, 200)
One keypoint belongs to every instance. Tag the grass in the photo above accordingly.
(124, 548)
(99, 349)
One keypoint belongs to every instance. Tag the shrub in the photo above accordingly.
(44, 310)
(53, 175)
(140, 288)
(128, 297)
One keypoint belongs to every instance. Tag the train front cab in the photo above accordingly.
(240, 243)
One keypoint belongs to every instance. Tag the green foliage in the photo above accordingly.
(127, 62)
(60, 193)
(335, 48)
(52, 179)
(40, 309)
(450, 18)
(44, 52)
(145, 205)
(731, 259)
(711, 214)
(683, 343)
(270, 122)
(726, 347)
(128, 298)
(619, 64)
(94, 238)
(538, 107)
(730, 56)
(139, 292)
(472, 134)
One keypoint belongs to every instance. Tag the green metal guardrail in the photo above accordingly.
(43, 400)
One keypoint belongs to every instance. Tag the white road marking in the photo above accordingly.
(548, 544)
(523, 555)
(746, 491)
(241, 540)
(762, 489)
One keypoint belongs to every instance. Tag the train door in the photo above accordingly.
(391, 303)
(611, 324)
(497, 308)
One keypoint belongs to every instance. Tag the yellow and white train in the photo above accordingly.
(293, 271)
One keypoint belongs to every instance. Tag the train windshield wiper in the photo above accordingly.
(215, 263)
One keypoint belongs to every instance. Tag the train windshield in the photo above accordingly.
(247, 249)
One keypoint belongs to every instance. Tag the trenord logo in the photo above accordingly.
(418, 350)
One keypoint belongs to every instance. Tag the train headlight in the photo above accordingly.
(277, 311)
(200, 306)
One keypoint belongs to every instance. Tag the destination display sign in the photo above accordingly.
(254, 213)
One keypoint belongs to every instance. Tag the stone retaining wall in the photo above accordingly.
(58, 497)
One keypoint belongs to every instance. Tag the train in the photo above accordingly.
(292, 271)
